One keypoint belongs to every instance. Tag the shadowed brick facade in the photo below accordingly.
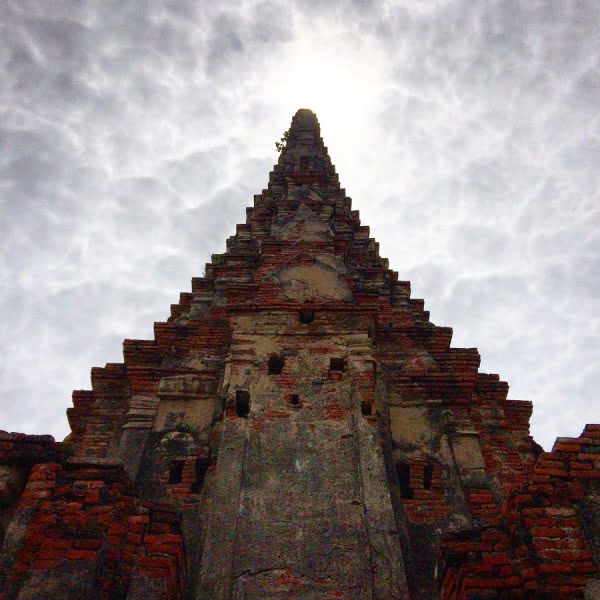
(298, 428)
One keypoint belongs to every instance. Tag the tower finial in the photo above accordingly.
(305, 120)
(303, 158)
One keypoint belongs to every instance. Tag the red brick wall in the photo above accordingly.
(83, 515)
(540, 544)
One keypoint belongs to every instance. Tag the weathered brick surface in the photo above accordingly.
(309, 433)
(542, 543)
(79, 517)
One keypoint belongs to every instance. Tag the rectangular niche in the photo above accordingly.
(336, 364)
(202, 465)
(403, 472)
(307, 315)
(176, 471)
(242, 403)
(276, 364)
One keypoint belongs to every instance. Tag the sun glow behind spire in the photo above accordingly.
(341, 78)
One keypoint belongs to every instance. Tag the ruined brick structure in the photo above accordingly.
(298, 428)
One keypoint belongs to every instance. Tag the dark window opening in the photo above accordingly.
(336, 364)
(242, 403)
(294, 399)
(307, 315)
(403, 471)
(427, 476)
(202, 465)
(276, 365)
(366, 409)
(304, 163)
(175, 471)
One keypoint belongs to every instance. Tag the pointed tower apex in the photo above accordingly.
(305, 120)
(304, 159)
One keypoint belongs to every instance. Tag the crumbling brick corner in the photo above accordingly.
(547, 543)
(73, 528)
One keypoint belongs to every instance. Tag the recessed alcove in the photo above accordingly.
(176, 471)
(276, 364)
(202, 465)
(336, 364)
(366, 409)
(307, 315)
(403, 471)
(242, 403)
(427, 476)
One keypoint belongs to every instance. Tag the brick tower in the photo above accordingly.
(298, 428)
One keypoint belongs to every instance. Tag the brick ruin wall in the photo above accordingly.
(73, 528)
(545, 541)
(76, 525)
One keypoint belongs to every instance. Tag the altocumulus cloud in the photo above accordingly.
(133, 134)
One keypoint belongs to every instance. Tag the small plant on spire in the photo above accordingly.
(281, 144)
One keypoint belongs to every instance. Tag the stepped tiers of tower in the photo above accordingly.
(298, 428)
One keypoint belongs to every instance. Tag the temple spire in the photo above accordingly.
(305, 121)
(304, 158)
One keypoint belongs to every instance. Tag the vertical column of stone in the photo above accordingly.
(216, 577)
(387, 566)
(135, 432)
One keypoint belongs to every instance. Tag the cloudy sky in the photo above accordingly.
(133, 135)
